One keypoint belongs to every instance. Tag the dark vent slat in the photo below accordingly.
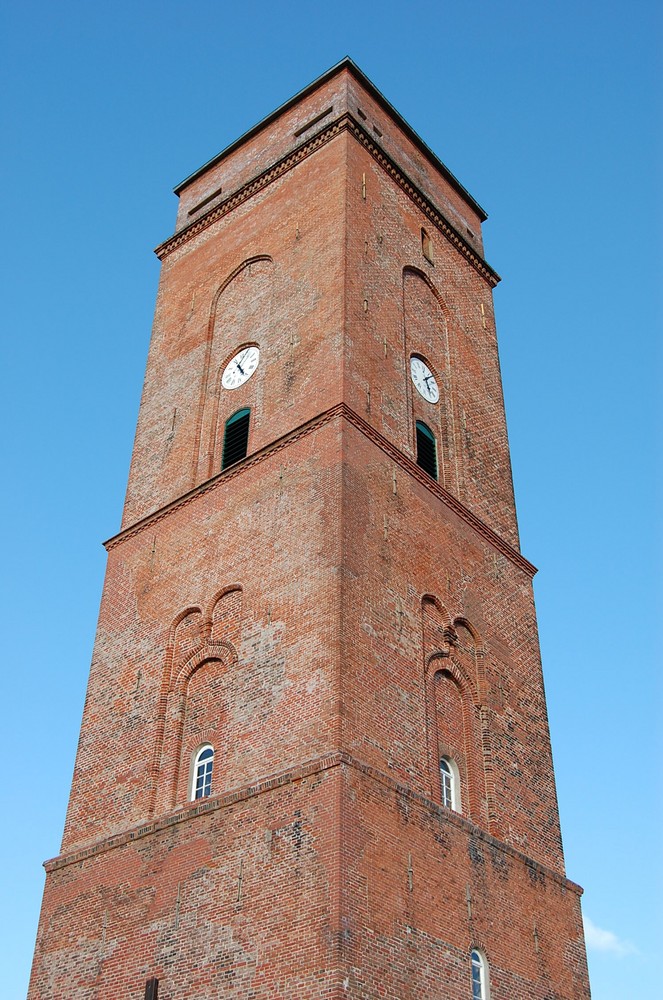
(236, 440)
(426, 451)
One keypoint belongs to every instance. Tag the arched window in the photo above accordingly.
(235, 438)
(426, 450)
(479, 968)
(201, 779)
(449, 784)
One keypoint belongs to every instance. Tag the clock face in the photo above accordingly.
(424, 380)
(240, 368)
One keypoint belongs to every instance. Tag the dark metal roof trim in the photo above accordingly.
(348, 64)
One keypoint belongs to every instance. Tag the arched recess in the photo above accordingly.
(225, 615)
(471, 639)
(187, 633)
(435, 633)
(240, 316)
(450, 731)
(455, 722)
(468, 652)
(425, 325)
(436, 622)
(196, 713)
(193, 637)
(454, 732)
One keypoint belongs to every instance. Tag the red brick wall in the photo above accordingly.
(334, 884)
(292, 308)
(234, 902)
(399, 546)
(324, 614)
(273, 529)
(397, 304)
(424, 888)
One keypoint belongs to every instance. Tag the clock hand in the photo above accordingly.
(240, 358)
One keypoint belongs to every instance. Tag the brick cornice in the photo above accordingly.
(416, 195)
(346, 123)
(316, 766)
(223, 477)
(344, 411)
(448, 499)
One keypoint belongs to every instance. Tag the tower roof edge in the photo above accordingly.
(345, 64)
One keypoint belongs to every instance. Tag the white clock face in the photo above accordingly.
(240, 368)
(424, 380)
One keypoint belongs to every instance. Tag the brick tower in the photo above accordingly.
(314, 758)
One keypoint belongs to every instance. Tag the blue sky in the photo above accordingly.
(550, 115)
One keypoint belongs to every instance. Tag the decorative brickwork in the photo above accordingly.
(314, 759)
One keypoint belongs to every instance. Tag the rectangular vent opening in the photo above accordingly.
(314, 121)
(426, 450)
(205, 201)
(236, 439)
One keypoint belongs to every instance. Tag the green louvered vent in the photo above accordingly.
(426, 450)
(236, 438)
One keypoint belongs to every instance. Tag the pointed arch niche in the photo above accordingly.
(196, 714)
(197, 690)
(454, 721)
(187, 634)
(426, 336)
(240, 316)
(226, 615)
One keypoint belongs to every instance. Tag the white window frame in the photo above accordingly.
(452, 776)
(479, 964)
(204, 768)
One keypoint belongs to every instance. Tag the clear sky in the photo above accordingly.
(549, 113)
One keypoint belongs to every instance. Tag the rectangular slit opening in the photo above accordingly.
(313, 121)
(205, 201)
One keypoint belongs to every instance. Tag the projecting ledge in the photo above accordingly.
(336, 759)
(345, 412)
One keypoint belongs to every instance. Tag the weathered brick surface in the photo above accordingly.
(204, 315)
(209, 905)
(423, 887)
(271, 529)
(323, 613)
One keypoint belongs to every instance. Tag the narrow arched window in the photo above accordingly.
(446, 782)
(449, 784)
(235, 438)
(479, 968)
(201, 781)
(426, 449)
